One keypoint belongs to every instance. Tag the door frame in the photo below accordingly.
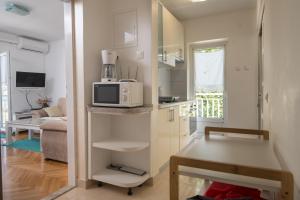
(70, 56)
(260, 77)
(207, 44)
(9, 84)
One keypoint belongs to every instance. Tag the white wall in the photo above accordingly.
(22, 60)
(91, 36)
(55, 71)
(281, 79)
(241, 51)
(128, 56)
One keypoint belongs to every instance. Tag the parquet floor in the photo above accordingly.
(26, 175)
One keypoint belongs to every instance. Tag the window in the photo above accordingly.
(209, 82)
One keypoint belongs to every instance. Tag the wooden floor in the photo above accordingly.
(26, 175)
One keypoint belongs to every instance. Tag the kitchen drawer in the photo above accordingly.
(184, 131)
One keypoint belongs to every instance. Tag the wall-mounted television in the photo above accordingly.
(30, 80)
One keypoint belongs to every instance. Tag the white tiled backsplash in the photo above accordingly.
(164, 81)
(172, 82)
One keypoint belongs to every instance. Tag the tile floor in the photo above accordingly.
(159, 191)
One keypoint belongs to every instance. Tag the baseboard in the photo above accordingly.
(85, 184)
(59, 193)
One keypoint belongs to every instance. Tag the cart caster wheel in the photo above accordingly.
(129, 192)
(99, 184)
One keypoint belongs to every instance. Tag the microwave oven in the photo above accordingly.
(118, 94)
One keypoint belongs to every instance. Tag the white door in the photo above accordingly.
(5, 109)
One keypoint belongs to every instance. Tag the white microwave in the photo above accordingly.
(118, 94)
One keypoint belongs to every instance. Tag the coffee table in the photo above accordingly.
(29, 124)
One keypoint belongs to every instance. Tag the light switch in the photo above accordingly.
(237, 68)
(246, 68)
(140, 54)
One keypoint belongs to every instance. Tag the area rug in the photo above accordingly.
(27, 145)
(2, 134)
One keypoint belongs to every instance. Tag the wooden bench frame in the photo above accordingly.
(285, 177)
(263, 133)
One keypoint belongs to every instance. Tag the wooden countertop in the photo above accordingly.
(168, 105)
(120, 111)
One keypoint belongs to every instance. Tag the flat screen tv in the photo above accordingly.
(30, 80)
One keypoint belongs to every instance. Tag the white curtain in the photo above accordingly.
(209, 69)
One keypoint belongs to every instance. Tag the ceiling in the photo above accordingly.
(45, 21)
(186, 9)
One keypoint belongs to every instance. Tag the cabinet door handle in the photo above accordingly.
(170, 115)
(173, 118)
(180, 53)
(165, 56)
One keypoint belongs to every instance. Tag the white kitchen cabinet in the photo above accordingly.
(184, 137)
(175, 131)
(184, 124)
(180, 38)
(168, 134)
(163, 142)
(173, 38)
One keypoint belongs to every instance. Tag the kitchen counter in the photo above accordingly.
(168, 105)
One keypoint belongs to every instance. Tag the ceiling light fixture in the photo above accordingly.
(17, 9)
(195, 1)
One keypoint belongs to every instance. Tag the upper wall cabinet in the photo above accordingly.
(171, 38)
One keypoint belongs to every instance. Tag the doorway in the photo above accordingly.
(209, 82)
(34, 181)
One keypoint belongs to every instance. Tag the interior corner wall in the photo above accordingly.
(55, 69)
(27, 61)
(281, 47)
(241, 62)
(93, 23)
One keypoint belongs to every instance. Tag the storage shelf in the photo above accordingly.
(234, 179)
(119, 178)
(121, 145)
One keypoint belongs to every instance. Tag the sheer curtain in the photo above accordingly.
(209, 69)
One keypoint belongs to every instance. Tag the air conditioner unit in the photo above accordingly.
(33, 45)
(8, 38)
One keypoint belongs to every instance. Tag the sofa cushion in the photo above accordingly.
(39, 113)
(59, 125)
(53, 111)
(62, 105)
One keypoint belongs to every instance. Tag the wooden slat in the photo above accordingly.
(286, 178)
(263, 133)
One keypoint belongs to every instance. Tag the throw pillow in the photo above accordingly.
(53, 111)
